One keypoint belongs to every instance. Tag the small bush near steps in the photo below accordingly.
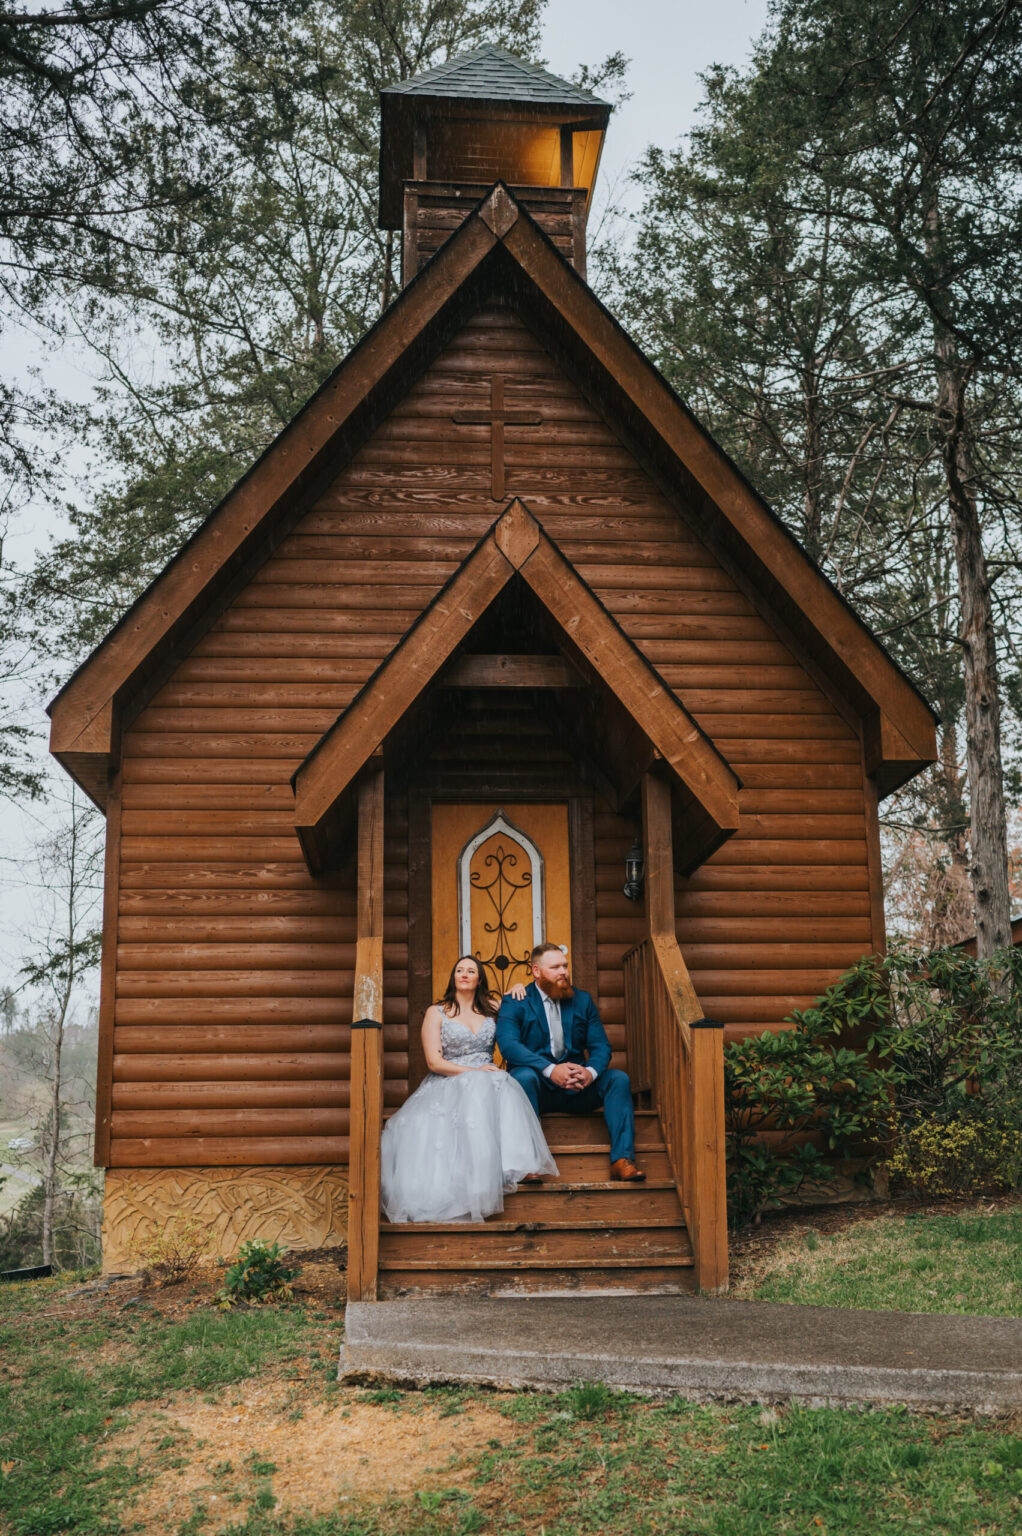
(259, 1274)
(174, 1254)
(779, 1090)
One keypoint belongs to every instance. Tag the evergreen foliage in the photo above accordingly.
(825, 272)
(248, 281)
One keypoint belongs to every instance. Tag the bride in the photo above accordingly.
(468, 1133)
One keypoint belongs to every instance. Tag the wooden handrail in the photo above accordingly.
(675, 1053)
(367, 1048)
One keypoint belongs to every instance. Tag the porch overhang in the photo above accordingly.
(626, 707)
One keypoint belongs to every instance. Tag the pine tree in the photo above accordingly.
(841, 232)
(252, 292)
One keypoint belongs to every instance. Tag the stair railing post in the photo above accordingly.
(669, 1056)
(690, 1055)
(366, 1119)
(709, 1180)
(658, 867)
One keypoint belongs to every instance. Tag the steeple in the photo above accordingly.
(450, 133)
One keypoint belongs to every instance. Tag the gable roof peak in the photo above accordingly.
(519, 265)
(492, 73)
(657, 728)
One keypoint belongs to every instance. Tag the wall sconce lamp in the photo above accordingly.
(633, 872)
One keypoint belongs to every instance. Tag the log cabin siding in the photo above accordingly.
(234, 965)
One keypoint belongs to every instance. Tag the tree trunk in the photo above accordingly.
(812, 464)
(952, 904)
(988, 823)
(52, 1149)
(388, 272)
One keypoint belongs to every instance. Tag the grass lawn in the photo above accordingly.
(156, 1414)
(965, 1260)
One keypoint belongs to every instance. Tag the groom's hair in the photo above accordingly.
(543, 949)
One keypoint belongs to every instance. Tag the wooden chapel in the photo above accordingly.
(493, 618)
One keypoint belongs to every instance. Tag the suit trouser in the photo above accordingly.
(611, 1091)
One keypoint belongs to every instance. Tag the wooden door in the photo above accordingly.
(501, 882)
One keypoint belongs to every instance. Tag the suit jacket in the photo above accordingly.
(523, 1033)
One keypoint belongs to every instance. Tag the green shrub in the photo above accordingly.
(918, 1053)
(259, 1274)
(790, 1098)
(952, 1034)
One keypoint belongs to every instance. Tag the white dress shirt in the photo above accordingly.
(556, 1028)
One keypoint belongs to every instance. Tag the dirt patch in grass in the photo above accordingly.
(250, 1451)
(320, 1287)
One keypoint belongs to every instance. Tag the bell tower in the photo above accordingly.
(449, 134)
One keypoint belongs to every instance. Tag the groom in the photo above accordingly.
(556, 1047)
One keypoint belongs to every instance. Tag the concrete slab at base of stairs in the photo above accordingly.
(703, 1348)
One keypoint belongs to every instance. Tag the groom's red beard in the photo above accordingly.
(561, 991)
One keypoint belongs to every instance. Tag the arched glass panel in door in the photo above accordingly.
(501, 900)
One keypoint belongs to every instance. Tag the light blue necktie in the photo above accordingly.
(553, 1013)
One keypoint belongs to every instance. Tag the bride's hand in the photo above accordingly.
(517, 992)
(489, 1067)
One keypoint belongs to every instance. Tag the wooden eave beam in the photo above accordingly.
(784, 565)
(515, 543)
(889, 757)
(84, 712)
(505, 671)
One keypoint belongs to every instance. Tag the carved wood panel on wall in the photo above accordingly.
(296, 1207)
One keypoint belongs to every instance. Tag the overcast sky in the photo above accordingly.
(669, 43)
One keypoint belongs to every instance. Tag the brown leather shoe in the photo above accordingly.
(532, 1178)
(626, 1172)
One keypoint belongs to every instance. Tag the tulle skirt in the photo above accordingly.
(457, 1146)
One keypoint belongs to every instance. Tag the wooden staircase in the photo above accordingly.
(579, 1232)
(576, 1233)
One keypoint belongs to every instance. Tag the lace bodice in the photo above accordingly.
(460, 1045)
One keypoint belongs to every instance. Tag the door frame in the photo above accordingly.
(582, 877)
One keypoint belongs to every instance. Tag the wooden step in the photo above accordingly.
(583, 1265)
(591, 1165)
(578, 1233)
(463, 1244)
(557, 1201)
(647, 1280)
(591, 1130)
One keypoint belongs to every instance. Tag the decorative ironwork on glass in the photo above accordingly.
(509, 949)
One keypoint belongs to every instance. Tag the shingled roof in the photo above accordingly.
(490, 73)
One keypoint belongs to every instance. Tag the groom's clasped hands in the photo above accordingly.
(571, 1075)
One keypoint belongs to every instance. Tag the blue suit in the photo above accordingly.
(523, 1036)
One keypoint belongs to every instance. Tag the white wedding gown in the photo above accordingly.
(460, 1143)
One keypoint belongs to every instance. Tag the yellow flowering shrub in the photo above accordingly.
(962, 1156)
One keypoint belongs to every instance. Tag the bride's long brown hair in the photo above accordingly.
(483, 1001)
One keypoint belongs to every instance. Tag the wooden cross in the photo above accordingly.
(497, 417)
